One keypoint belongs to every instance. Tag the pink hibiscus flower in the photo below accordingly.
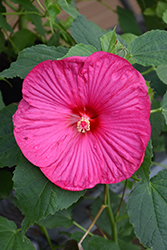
(84, 120)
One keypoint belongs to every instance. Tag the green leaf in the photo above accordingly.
(162, 73)
(9, 151)
(4, 24)
(23, 38)
(164, 17)
(36, 193)
(128, 37)
(69, 8)
(53, 10)
(99, 243)
(128, 246)
(164, 106)
(127, 21)
(2, 105)
(54, 39)
(150, 48)
(2, 41)
(6, 183)
(161, 7)
(147, 208)
(11, 238)
(62, 218)
(71, 245)
(144, 170)
(108, 41)
(83, 32)
(156, 120)
(35, 18)
(30, 57)
(150, 11)
(80, 50)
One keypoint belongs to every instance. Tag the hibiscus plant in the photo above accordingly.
(93, 113)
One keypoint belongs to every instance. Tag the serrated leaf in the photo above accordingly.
(30, 57)
(36, 193)
(80, 50)
(4, 24)
(54, 39)
(108, 41)
(164, 106)
(69, 8)
(150, 48)
(144, 170)
(127, 21)
(6, 183)
(162, 73)
(9, 151)
(147, 209)
(128, 246)
(83, 32)
(128, 37)
(62, 218)
(11, 239)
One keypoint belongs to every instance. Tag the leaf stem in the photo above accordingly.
(92, 224)
(82, 228)
(148, 71)
(156, 110)
(110, 214)
(44, 231)
(41, 5)
(135, 178)
(117, 214)
(158, 164)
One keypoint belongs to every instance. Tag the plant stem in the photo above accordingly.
(41, 5)
(82, 228)
(117, 214)
(106, 5)
(110, 214)
(10, 5)
(92, 224)
(44, 231)
(135, 178)
(148, 71)
(156, 110)
(10, 40)
(159, 164)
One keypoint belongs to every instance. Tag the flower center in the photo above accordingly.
(83, 125)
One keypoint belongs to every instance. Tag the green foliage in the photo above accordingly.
(62, 218)
(80, 50)
(36, 193)
(85, 33)
(6, 183)
(11, 238)
(35, 18)
(69, 8)
(127, 21)
(9, 151)
(147, 209)
(30, 57)
(150, 48)
(2, 41)
(2, 105)
(4, 24)
(144, 170)
(23, 38)
(164, 106)
(162, 73)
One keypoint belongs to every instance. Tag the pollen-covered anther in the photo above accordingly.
(83, 125)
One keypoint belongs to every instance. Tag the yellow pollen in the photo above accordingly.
(83, 125)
